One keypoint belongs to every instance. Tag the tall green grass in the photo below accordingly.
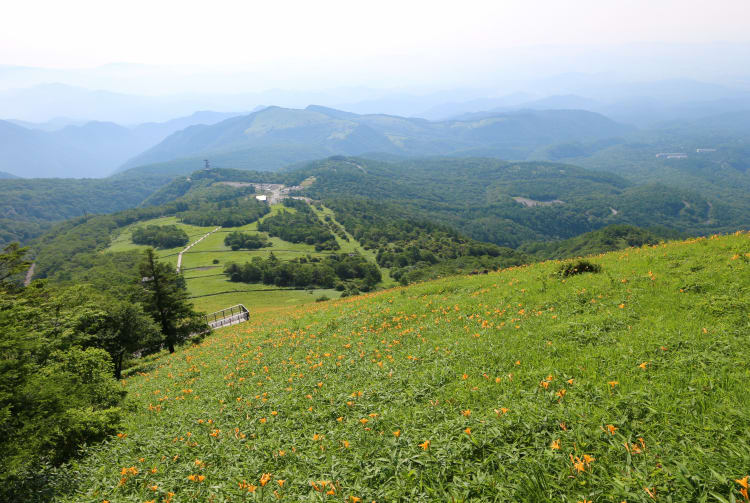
(630, 384)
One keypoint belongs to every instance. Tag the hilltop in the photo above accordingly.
(262, 140)
(520, 385)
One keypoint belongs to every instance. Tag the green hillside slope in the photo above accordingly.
(28, 206)
(318, 131)
(624, 385)
(509, 203)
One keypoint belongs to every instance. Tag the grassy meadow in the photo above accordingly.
(208, 286)
(625, 385)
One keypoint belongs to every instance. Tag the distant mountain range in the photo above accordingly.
(640, 104)
(6, 176)
(275, 137)
(90, 150)
(590, 110)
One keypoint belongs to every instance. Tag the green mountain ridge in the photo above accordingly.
(332, 131)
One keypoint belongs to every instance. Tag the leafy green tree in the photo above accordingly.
(13, 262)
(160, 236)
(127, 329)
(166, 300)
(56, 389)
(237, 240)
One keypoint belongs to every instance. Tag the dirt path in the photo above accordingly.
(29, 274)
(179, 257)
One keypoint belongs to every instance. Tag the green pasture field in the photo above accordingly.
(211, 290)
(263, 298)
(208, 287)
(123, 241)
(630, 384)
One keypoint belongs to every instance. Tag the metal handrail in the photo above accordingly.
(228, 316)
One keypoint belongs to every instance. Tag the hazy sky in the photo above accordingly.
(93, 32)
(384, 43)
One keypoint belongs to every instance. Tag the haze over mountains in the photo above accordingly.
(91, 150)
(59, 130)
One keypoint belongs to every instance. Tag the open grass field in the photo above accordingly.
(208, 286)
(625, 385)
(211, 290)
(123, 241)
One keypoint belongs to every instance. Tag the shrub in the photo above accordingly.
(579, 267)
(322, 298)
(160, 236)
(237, 240)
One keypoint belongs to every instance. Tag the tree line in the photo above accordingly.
(228, 213)
(243, 240)
(160, 236)
(333, 271)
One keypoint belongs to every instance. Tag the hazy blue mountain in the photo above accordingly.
(644, 104)
(647, 111)
(93, 149)
(317, 131)
(6, 176)
(454, 109)
(563, 102)
(50, 125)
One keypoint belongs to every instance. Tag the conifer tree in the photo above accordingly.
(166, 300)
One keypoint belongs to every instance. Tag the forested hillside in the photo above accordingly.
(487, 200)
(512, 203)
(274, 137)
(29, 206)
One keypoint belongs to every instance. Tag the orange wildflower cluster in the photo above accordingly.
(250, 487)
(609, 429)
(127, 472)
(323, 486)
(743, 487)
(635, 448)
(581, 464)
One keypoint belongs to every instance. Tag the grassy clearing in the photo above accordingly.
(212, 291)
(207, 284)
(262, 298)
(628, 384)
(123, 241)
